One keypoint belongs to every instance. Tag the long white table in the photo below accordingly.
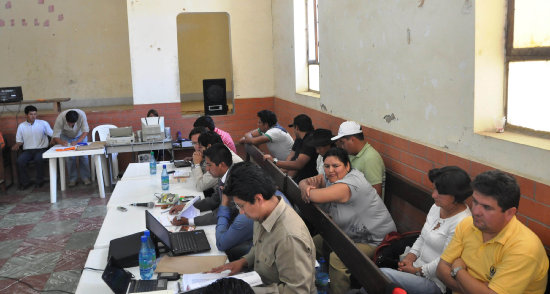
(53, 154)
(137, 185)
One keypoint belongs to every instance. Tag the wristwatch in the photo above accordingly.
(275, 160)
(454, 271)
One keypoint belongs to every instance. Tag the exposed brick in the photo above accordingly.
(408, 159)
(527, 186)
(413, 174)
(477, 168)
(542, 231)
(542, 193)
(423, 164)
(534, 210)
(400, 143)
(436, 156)
(417, 149)
(458, 161)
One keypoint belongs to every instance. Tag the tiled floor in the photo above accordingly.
(46, 245)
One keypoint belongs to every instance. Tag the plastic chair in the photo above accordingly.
(103, 131)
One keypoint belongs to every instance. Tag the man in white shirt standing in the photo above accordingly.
(33, 135)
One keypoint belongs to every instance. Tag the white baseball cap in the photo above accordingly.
(347, 128)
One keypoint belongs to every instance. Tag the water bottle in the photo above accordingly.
(321, 277)
(164, 179)
(152, 164)
(145, 260)
(179, 137)
(151, 247)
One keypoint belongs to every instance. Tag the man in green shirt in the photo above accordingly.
(362, 155)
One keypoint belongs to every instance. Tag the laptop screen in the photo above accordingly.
(157, 229)
(116, 277)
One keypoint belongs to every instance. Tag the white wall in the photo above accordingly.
(153, 46)
(371, 68)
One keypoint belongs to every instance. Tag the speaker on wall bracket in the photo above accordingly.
(215, 97)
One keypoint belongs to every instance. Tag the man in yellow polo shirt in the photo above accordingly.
(492, 251)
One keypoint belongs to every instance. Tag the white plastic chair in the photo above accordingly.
(103, 131)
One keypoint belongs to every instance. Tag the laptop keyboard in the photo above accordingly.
(182, 243)
(147, 285)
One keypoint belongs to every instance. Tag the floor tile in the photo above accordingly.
(16, 232)
(5, 208)
(53, 228)
(89, 224)
(8, 247)
(95, 211)
(99, 201)
(72, 260)
(37, 282)
(66, 203)
(63, 214)
(30, 265)
(30, 207)
(37, 197)
(19, 219)
(82, 240)
(33, 246)
(65, 280)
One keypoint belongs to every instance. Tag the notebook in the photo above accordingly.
(178, 243)
(121, 282)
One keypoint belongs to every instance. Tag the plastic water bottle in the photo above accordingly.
(321, 277)
(151, 247)
(145, 260)
(164, 179)
(152, 164)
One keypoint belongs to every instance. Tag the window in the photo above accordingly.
(528, 64)
(312, 17)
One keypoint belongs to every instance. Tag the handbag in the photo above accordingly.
(388, 252)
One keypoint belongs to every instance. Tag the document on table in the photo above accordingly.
(190, 211)
(194, 281)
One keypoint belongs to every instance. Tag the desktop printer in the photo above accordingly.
(120, 136)
(151, 133)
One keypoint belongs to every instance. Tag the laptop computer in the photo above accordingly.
(121, 282)
(179, 243)
(182, 163)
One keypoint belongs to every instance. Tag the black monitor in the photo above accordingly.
(11, 94)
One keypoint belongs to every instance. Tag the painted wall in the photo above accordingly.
(380, 58)
(203, 51)
(153, 46)
(76, 49)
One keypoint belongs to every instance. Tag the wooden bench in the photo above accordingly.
(359, 265)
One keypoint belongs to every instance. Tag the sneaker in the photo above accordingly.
(87, 182)
(72, 183)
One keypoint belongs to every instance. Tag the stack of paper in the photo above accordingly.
(194, 281)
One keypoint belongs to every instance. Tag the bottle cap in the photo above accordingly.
(143, 238)
(146, 233)
(164, 166)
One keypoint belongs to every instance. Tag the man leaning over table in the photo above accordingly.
(492, 251)
(283, 252)
(71, 127)
(32, 134)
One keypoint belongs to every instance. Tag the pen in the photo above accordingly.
(165, 211)
(179, 287)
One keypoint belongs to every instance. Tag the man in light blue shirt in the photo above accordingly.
(32, 134)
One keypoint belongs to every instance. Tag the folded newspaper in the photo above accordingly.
(194, 281)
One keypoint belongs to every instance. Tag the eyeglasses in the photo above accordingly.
(194, 143)
(239, 206)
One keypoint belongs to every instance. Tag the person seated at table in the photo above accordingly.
(2, 143)
(32, 134)
(207, 122)
(416, 273)
(152, 113)
(70, 128)
(283, 252)
(278, 140)
(218, 162)
(353, 205)
(203, 180)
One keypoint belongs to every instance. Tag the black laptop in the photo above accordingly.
(182, 163)
(179, 243)
(121, 282)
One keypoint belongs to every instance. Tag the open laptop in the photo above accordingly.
(179, 243)
(121, 282)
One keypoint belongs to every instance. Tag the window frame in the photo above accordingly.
(316, 36)
(519, 54)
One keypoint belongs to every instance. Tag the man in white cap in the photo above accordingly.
(362, 155)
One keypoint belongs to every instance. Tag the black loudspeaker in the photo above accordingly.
(215, 97)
